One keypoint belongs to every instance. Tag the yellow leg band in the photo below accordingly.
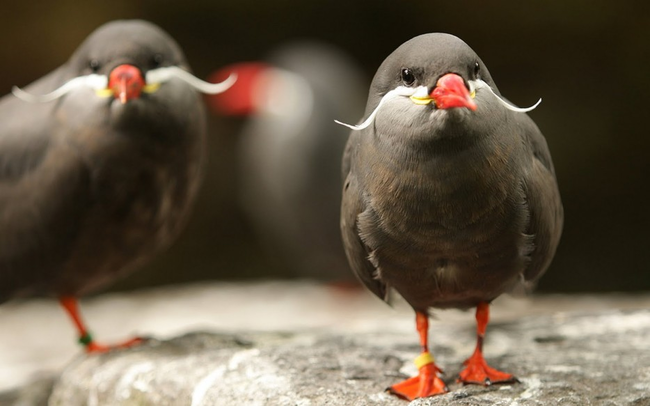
(424, 359)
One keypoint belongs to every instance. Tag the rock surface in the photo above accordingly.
(595, 354)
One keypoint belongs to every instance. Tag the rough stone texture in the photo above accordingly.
(593, 355)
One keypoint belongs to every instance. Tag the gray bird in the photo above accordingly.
(290, 156)
(100, 162)
(450, 196)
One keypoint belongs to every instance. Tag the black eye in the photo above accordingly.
(157, 60)
(94, 65)
(477, 68)
(407, 76)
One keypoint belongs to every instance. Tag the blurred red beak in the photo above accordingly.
(126, 82)
(450, 91)
(240, 99)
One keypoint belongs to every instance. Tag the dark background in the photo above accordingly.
(588, 60)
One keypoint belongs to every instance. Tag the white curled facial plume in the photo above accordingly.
(403, 91)
(96, 82)
(162, 75)
(479, 84)
(153, 79)
(400, 91)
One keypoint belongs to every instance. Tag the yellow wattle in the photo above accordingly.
(150, 88)
(108, 92)
(421, 100)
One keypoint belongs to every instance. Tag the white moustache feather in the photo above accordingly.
(407, 92)
(154, 76)
(93, 81)
(397, 92)
(479, 84)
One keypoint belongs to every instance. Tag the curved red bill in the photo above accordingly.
(450, 91)
(126, 82)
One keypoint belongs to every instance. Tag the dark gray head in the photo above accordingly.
(127, 60)
(427, 58)
(432, 74)
(433, 85)
(116, 71)
(135, 42)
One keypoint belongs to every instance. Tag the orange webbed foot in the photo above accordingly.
(427, 383)
(478, 372)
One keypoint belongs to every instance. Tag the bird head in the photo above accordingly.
(124, 60)
(431, 78)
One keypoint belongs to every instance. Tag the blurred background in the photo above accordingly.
(588, 60)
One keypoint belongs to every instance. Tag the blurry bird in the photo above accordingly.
(100, 162)
(450, 196)
(290, 151)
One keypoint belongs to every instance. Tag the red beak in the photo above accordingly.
(126, 82)
(450, 91)
(240, 99)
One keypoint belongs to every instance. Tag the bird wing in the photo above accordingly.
(24, 126)
(357, 252)
(546, 215)
(41, 213)
(44, 190)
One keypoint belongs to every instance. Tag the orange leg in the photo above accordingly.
(428, 382)
(69, 303)
(477, 371)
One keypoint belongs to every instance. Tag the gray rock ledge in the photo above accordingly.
(577, 358)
